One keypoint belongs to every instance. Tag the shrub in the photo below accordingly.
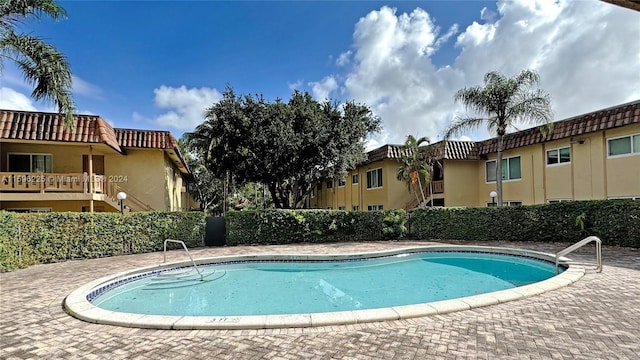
(615, 222)
(294, 226)
(27, 239)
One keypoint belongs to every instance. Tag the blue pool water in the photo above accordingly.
(295, 287)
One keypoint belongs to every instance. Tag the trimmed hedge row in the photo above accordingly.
(615, 222)
(28, 239)
(314, 226)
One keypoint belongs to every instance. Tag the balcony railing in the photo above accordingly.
(438, 186)
(49, 182)
(27, 182)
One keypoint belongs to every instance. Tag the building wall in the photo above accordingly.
(142, 172)
(459, 179)
(56, 206)
(393, 194)
(622, 172)
(65, 158)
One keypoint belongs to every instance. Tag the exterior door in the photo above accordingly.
(98, 164)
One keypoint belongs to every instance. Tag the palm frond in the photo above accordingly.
(44, 67)
(463, 124)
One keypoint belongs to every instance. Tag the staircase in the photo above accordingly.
(416, 202)
(131, 202)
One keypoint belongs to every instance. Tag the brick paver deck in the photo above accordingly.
(597, 317)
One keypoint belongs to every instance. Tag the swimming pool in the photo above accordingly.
(313, 290)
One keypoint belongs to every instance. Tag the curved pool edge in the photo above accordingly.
(77, 305)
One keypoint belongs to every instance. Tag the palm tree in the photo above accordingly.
(504, 101)
(412, 164)
(42, 65)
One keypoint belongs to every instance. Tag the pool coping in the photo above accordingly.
(77, 305)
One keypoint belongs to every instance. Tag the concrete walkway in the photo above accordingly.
(597, 317)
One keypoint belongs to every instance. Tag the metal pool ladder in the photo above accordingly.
(185, 249)
(578, 245)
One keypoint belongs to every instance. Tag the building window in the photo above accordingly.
(329, 184)
(505, 203)
(341, 182)
(329, 208)
(510, 169)
(342, 208)
(30, 163)
(31, 210)
(374, 178)
(354, 179)
(374, 208)
(319, 185)
(553, 201)
(625, 198)
(559, 156)
(624, 145)
(355, 207)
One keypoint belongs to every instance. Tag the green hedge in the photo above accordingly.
(28, 239)
(615, 222)
(294, 226)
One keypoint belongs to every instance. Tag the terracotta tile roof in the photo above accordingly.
(384, 152)
(39, 126)
(599, 120)
(459, 150)
(149, 139)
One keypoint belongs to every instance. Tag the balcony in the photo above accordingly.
(50, 182)
(26, 186)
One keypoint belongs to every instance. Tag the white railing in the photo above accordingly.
(580, 244)
(188, 253)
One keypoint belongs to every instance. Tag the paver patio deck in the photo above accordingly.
(598, 317)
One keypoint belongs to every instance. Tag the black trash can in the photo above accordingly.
(215, 231)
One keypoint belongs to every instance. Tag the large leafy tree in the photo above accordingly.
(205, 188)
(502, 102)
(285, 146)
(42, 65)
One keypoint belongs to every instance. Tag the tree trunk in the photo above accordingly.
(421, 190)
(274, 196)
(499, 169)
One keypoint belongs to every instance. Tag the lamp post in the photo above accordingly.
(493, 195)
(121, 196)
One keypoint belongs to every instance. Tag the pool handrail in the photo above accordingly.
(185, 249)
(580, 244)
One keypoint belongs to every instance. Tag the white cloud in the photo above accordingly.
(85, 88)
(344, 58)
(294, 85)
(186, 106)
(13, 100)
(581, 49)
(322, 90)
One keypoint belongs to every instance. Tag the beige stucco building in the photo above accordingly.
(591, 156)
(45, 166)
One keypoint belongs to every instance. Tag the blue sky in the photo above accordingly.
(159, 64)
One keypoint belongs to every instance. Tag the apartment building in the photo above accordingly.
(47, 166)
(586, 157)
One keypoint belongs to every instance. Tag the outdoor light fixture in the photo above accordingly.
(493, 195)
(121, 196)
